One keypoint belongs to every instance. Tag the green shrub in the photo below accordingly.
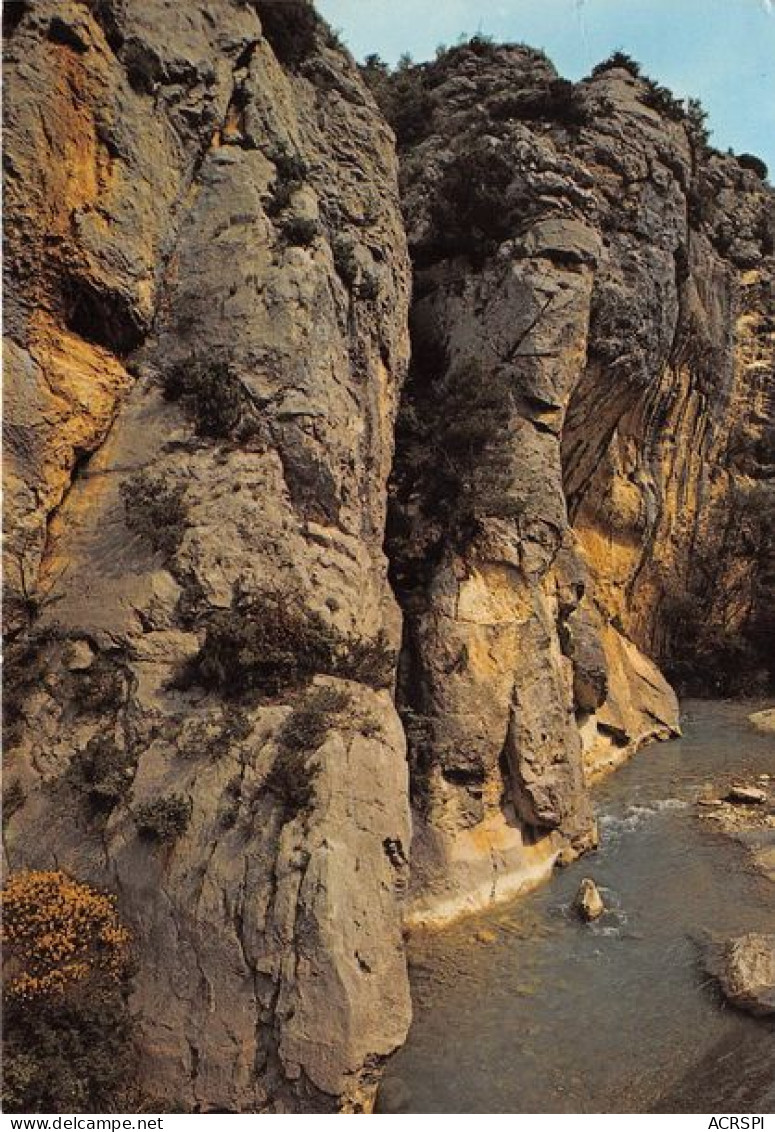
(105, 771)
(370, 662)
(14, 798)
(213, 739)
(370, 728)
(262, 646)
(559, 101)
(299, 231)
(755, 164)
(73, 1055)
(411, 111)
(345, 260)
(716, 620)
(333, 37)
(457, 466)
(214, 397)
(164, 819)
(290, 27)
(697, 123)
(480, 44)
(291, 171)
(402, 96)
(453, 473)
(709, 661)
(100, 688)
(374, 67)
(479, 202)
(156, 510)
(368, 287)
(661, 99)
(25, 668)
(307, 726)
(701, 202)
(765, 232)
(448, 60)
(272, 643)
(292, 776)
(290, 168)
(618, 60)
(292, 780)
(470, 211)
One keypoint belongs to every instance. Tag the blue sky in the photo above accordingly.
(720, 51)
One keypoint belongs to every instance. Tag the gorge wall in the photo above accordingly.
(208, 333)
(218, 704)
(583, 479)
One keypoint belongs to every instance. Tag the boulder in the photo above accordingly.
(589, 903)
(393, 1096)
(763, 720)
(744, 968)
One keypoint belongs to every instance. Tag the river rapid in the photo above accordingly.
(528, 1010)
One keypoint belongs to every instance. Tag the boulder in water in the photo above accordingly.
(393, 1096)
(744, 968)
(589, 903)
(763, 720)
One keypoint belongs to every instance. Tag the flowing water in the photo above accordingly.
(528, 1010)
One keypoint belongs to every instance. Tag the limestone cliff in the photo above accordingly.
(583, 474)
(207, 332)
(211, 435)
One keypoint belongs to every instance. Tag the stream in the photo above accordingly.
(527, 1010)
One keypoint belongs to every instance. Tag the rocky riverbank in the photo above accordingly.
(745, 812)
(744, 966)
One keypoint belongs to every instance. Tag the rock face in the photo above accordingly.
(745, 970)
(208, 331)
(585, 440)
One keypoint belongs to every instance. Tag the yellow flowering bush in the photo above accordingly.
(56, 933)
